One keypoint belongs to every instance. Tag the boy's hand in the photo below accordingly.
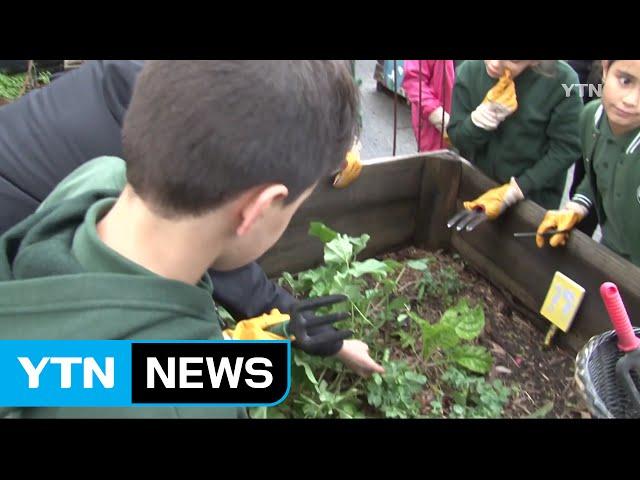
(350, 168)
(355, 355)
(564, 219)
(497, 200)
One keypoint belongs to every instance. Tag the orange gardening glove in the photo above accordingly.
(503, 93)
(446, 140)
(496, 200)
(257, 328)
(564, 219)
(350, 169)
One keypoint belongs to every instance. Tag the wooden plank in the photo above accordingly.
(391, 226)
(382, 203)
(382, 180)
(437, 199)
(519, 267)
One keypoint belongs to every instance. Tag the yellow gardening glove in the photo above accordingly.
(564, 219)
(503, 93)
(446, 140)
(496, 200)
(350, 169)
(256, 328)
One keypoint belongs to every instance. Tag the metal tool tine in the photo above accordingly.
(456, 218)
(480, 218)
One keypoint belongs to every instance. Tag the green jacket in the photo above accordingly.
(536, 144)
(612, 182)
(58, 280)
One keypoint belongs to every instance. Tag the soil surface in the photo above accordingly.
(543, 375)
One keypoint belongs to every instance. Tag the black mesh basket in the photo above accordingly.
(603, 393)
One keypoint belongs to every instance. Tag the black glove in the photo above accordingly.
(314, 334)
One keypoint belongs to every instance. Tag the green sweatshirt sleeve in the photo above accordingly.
(564, 144)
(584, 194)
(102, 173)
(464, 134)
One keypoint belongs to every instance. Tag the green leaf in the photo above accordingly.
(311, 275)
(287, 277)
(417, 318)
(471, 324)
(370, 266)
(392, 264)
(420, 265)
(472, 357)
(416, 377)
(338, 251)
(437, 336)
(352, 292)
(450, 318)
(321, 231)
(359, 243)
(397, 304)
(307, 369)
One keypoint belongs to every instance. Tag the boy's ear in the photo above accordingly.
(257, 204)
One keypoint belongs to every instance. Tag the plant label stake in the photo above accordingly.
(561, 304)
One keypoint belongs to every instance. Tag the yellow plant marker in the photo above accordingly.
(562, 302)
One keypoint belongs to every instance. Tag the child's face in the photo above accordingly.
(265, 231)
(495, 68)
(621, 94)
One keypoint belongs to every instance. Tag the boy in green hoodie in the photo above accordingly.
(610, 134)
(220, 155)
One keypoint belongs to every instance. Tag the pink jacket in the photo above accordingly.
(438, 77)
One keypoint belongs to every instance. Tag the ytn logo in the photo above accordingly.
(594, 90)
(90, 369)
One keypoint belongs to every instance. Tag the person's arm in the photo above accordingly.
(564, 149)
(464, 134)
(417, 75)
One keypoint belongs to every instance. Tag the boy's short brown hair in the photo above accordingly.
(197, 133)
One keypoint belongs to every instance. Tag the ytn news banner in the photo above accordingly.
(123, 373)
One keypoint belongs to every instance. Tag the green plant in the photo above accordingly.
(457, 327)
(394, 393)
(381, 315)
(445, 284)
(11, 85)
(342, 273)
(472, 396)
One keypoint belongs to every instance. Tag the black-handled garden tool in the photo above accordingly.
(303, 319)
(548, 233)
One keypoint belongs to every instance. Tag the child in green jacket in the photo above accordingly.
(521, 131)
(220, 155)
(610, 134)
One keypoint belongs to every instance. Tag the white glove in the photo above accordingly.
(489, 115)
(514, 194)
(436, 117)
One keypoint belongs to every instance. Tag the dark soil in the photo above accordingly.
(543, 376)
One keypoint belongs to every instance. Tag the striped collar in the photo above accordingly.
(635, 141)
